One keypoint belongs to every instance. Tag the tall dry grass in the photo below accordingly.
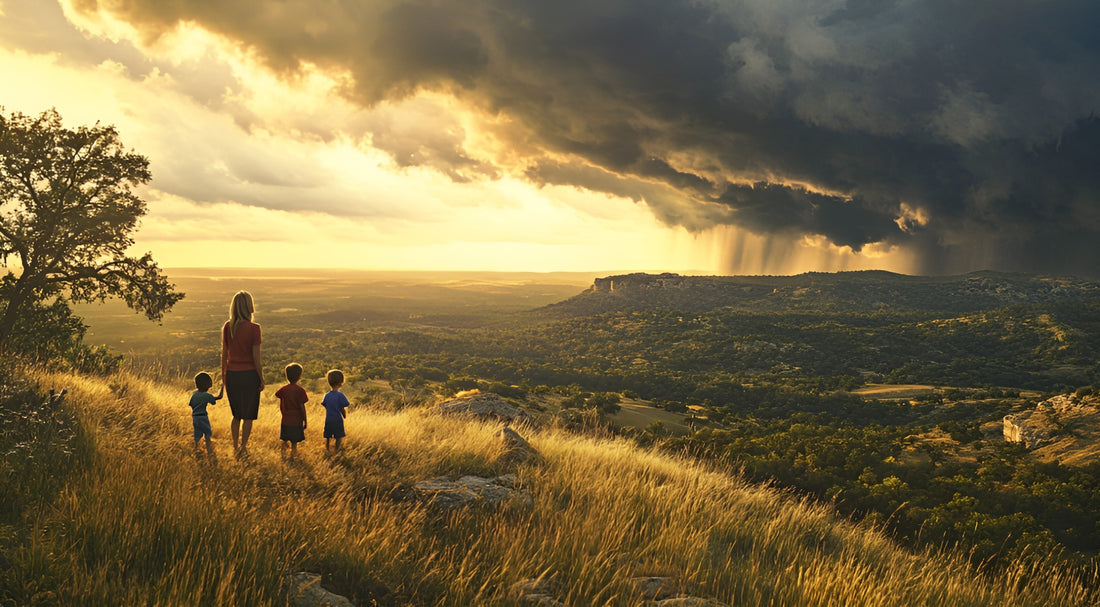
(150, 523)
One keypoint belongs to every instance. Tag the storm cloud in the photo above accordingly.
(965, 131)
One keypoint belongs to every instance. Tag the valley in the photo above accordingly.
(878, 393)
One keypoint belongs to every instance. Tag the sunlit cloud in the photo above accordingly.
(759, 136)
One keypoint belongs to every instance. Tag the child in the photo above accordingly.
(336, 409)
(200, 398)
(292, 402)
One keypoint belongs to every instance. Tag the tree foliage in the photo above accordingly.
(67, 213)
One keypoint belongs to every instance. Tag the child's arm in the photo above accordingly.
(221, 391)
(225, 352)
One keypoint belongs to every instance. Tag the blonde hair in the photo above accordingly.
(240, 309)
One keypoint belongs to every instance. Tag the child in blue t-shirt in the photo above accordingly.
(200, 398)
(336, 409)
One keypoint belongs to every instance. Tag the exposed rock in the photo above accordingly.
(1063, 429)
(1040, 425)
(1022, 428)
(304, 590)
(517, 450)
(488, 405)
(654, 588)
(688, 601)
(446, 494)
(536, 591)
(542, 600)
(512, 439)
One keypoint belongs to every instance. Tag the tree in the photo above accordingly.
(67, 211)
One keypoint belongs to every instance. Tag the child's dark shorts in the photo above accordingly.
(294, 434)
(202, 426)
(334, 429)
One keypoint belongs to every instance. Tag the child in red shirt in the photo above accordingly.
(292, 402)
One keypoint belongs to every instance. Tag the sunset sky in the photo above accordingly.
(749, 136)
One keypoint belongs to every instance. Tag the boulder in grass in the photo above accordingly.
(517, 450)
(484, 405)
(446, 494)
(537, 591)
(654, 588)
(304, 590)
(687, 601)
(540, 600)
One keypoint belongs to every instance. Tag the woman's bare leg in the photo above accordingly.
(246, 430)
(235, 429)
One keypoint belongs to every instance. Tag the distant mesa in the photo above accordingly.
(640, 281)
(848, 291)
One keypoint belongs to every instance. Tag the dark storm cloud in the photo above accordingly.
(841, 114)
(767, 208)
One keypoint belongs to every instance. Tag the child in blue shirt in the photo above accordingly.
(200, 398)
(336, 409)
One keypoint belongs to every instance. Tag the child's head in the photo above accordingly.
(335, 378)
(293, 372)
(203, 381)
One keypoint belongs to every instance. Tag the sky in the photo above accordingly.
(708, 136)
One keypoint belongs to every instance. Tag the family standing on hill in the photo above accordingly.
(242, 368)
(243, 381)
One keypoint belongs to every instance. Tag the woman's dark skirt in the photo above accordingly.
(243, 390)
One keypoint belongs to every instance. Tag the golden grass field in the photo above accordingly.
(150, 523)
(894, 391)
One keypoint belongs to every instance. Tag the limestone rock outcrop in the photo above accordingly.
(446, 494)
(304, 590)
(536, 591)
(654, 588)
(1022, 428)
(484, 405)
(517, 450)
(1039, 426)
(687, 601)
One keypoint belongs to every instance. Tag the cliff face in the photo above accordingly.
(1030, 428)
(637, 283)
(870, 290)
(1063, 428)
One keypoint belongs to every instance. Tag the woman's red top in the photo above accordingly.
(239, 345)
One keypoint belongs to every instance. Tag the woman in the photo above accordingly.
(242, 367)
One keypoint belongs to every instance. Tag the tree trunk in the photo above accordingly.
(11, 313)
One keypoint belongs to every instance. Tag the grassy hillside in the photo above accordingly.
(118, 510)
